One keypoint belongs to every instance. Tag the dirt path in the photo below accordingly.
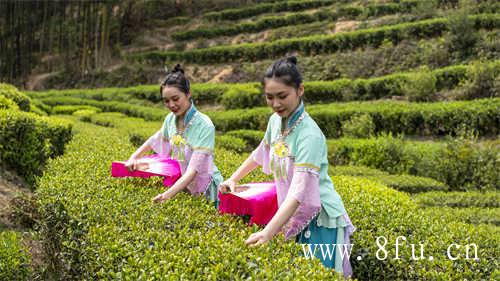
(35, 82)
(12, 186)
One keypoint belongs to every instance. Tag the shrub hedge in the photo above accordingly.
(377, 9)
(148, 113)
(69, 109)
(244, 95)
(108, 228)
(248, 140)
(232, 143)
(10, 92)
(461, 164)
(39, 104)
(139, 95)
(104, 228)
(425, 119)
(6, 103)
(490, 199)
(316, 44)
(472, 215)
(28, 140)
(14, 257)
(406, 183)
(253, 138)
(458, 163)
(397, 84)
(203, 93)
(35, 109)
(236, 14)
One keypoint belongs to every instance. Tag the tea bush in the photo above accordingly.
(236, 14)
(10, 92)
(422, 86)
(108, 228)
(269, 22)
(360, 126)
(253, 138)
(238, 97)
(6, 103)
(148, 113)
(28, 140)
(14, 257)
(482, 80)
(406, 183)
(244, 95)
(231, 143)
(70, 109)
(424, 119)
(472, 215)
(461, 165)
(316, 44)
(490, 199)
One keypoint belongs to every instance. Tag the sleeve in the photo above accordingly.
(261, 155)
(159, 143)
(202, 159)
(305, 189)
(202, 163)
(304, 186)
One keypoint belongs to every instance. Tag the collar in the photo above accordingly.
(189, 114)
(295, 115)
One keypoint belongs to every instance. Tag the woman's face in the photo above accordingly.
(283, 99)
(175, 100)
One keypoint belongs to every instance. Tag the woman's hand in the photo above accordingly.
(258, 238)
(227, 186)
(162, 197)
(131, 164)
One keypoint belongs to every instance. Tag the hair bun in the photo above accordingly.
(178, 68)
(292, 59)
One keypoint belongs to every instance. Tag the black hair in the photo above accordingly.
(176, 79)
(285, 70)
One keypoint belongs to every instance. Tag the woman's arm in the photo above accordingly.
(178, 186)
(245, 168)
(131, 163)
(284, 213)
(141, 151)
(146, 147)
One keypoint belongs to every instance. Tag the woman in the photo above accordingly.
(188, 136)
(294, 150)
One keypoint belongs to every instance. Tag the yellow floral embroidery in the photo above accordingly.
(281, 150)
(178, 140)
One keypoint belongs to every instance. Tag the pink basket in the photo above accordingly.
(259, 201)
(150, 166)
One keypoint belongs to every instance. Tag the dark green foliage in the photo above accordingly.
(318, 44)
(457, 199)
(105, 228)
(12, 93)
(14, 257)
(460, 164)
(294, 19)
(424, 119)
(406, 183)
(28, 140)
(236, 14)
